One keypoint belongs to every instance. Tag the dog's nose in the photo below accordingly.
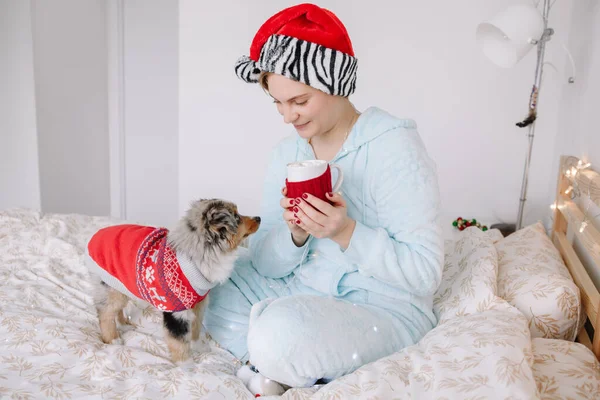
(257, 219)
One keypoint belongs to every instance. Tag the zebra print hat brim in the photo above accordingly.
(328, 70)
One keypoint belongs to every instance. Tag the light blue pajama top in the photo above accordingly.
(395, 257)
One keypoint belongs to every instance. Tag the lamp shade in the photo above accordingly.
(507, 37)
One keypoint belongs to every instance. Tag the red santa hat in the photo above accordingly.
(306, 43)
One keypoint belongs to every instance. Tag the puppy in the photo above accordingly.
(172, 270)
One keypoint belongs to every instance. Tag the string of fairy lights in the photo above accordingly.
(574, 191)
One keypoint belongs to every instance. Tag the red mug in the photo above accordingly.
(312, 176)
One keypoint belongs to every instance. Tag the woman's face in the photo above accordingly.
(311, 111)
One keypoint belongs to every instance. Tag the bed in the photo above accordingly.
(492, 340)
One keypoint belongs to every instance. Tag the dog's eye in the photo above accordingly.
(238, 219)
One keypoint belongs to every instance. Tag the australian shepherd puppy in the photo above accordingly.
(172, 270)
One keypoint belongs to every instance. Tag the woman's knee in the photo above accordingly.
(297, 340)
(279, 342)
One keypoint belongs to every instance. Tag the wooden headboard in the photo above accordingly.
(570, 222)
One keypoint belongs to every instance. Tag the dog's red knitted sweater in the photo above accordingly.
(137, 261)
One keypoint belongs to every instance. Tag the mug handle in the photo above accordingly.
(340, 179)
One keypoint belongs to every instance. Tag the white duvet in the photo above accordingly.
(50, 346)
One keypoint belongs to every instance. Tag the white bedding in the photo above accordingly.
(50, 346)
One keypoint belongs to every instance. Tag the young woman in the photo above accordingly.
(329, 286)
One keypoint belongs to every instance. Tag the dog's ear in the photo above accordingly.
(221, 221)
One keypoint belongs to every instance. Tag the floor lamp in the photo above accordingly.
(505, 40)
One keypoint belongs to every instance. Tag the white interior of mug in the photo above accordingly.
(304, 170)
(306, 163)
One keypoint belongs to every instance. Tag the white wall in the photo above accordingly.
(69, 42)
(19, 178)
(225, 126)
(151, 110)
(184, 106)
(578, 131)
(416, 59)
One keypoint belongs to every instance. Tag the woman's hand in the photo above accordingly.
(299, 235)
(323, 220)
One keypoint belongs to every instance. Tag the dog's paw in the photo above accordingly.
(125, 321)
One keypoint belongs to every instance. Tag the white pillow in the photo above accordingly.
(533, 278)
(469, 278)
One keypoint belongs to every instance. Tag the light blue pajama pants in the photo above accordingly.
(294, 334)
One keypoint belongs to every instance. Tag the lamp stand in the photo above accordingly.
(541, 48)
(530, 121)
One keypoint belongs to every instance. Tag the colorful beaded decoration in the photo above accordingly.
(462, 224)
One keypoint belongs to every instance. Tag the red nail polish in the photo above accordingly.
(329, 194)
(292, 201)
(298, 221)
(295, 216)
(305, 196)
(297, 201)
(295, 209)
